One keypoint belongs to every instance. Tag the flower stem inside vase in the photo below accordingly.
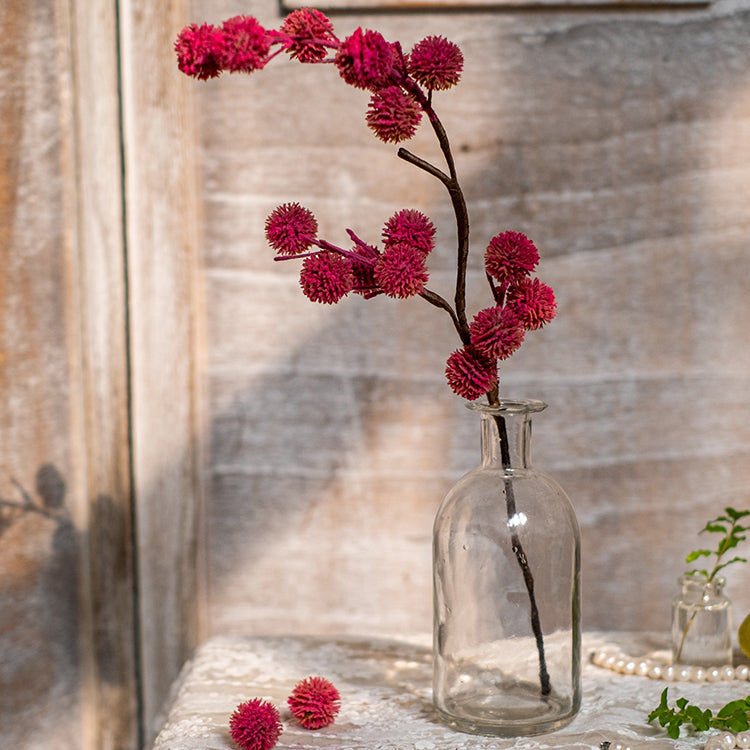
(518, 551)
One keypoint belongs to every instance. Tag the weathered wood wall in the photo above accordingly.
(618, 140)
(100, 320)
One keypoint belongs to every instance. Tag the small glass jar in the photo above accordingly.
(701, 622)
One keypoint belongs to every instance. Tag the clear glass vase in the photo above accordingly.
(701, 622)
(506, 568)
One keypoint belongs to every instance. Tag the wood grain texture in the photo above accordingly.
(165, 322)
(619, 143)
(99, 362)
(39, 535)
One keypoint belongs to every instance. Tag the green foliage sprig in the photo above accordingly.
(734, 716)
(732, 533)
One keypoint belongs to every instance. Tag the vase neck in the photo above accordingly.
(506, 440)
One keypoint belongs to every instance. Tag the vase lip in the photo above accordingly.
(694, 576)
(508, 406)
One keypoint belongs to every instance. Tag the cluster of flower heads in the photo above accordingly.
(364, 59)
(256, 723)
(522, 303)
(329, 273)
(401, 87)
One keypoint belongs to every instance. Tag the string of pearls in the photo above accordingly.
(609, 657)
(728, 741)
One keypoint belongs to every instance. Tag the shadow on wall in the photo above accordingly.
(39, 550)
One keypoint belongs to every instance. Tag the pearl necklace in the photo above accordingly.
(728, 741)
(609, 657)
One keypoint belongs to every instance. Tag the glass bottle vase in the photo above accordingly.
(506, 571)
(701, 622)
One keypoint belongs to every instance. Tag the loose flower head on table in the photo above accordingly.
(401, 86)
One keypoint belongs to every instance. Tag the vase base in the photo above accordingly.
(508, 715)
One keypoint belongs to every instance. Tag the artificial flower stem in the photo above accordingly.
(528, 577)
(462, 228)
(438, 301)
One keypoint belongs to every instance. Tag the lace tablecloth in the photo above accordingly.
(385, 688)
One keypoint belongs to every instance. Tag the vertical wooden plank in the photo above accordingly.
(39, 536)
(99, 403)
(165, 341)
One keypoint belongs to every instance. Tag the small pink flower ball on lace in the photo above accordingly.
(393, 115)
(291, 229)
(400, 271)
(309, 29)
(365, 59)
(199, 51)
(314, 702)
(411, 227)
(510, 256)
(496, 332)
(436, 63)
(255, 725)
(246, 44)
(470, 373)
(533, 302)
(326, 277)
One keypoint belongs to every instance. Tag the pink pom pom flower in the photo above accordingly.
(496, 332)
(411, 227)
(199, 51)
(510, 256)
(393, 115)
(470, 373)
(314, 702)
(246, 44)
(533, 302)
(400, 271)
(436, 63)
(255, 725)
(326, 277)
(291, 229)
(365, 59)
(309, 31)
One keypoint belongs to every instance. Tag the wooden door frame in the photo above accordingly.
(136, 334)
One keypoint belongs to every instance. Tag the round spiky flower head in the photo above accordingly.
(199, 50)
(510, 256)
(411, 227)
(255, 725)
(533, 302)
(326, 277)
(314, 702)
(393, 115)
(246, 44)
(309, 29)
(400, 271)
(365, 59)
(436, 63)
(470, 373)
(291, 228)
(496, 332)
